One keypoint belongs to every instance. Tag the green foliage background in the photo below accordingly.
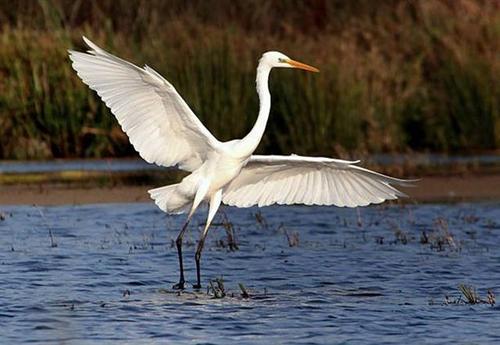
(396, 75)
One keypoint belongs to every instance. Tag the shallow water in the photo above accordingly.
(353, 278)
(108, 165)
(136, 164)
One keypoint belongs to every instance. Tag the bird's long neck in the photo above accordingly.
(252, 139)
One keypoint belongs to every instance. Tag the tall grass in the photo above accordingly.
(395, 76)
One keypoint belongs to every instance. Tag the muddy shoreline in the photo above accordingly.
(470, 187)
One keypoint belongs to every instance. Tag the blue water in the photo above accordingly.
(108, 165)
(136, 164)
(350, 278)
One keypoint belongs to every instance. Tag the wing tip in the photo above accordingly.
(87, 41)
(411, 182)
(401, 194)
(71, 53)
(94, 48)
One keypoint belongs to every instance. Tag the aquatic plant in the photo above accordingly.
(244, 291)
(442, 236)
(216, 288)
(400, 235)
(230, 233)
(470, 295)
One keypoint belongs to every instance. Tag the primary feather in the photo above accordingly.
(159, 123)
(286, 180)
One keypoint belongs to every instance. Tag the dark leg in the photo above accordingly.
(197, 258)
(214, 205)
(178, 242)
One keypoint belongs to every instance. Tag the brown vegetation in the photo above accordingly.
(396, 75)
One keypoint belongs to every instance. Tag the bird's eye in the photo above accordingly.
(281, 60)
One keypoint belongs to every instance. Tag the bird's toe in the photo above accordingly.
(178, 286)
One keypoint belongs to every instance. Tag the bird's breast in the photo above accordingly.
(224, 171)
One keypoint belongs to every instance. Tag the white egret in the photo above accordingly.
(164, 130)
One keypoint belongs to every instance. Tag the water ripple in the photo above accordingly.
(378, 281)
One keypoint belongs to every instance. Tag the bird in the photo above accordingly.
(165, 131)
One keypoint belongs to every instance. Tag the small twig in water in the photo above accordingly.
(231, 238)
(400, 235)
(53, 243)
(261, 220)
(443, 235)
(218, 288)
(244, 292)
(491, 297)
(293, 238)
(424, 238)
(358, 213)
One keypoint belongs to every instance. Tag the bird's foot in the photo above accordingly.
(179, 286)
(197, 286)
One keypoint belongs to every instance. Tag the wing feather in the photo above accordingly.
(345, 191)
(267, 180)
(349, 191)
(359, 197)
(359, 187)
(158, 122)
(334, 190)
(366, 189)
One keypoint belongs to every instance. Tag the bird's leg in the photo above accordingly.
(198, 198)
(214, 206)
(178, 242)
(197, 258)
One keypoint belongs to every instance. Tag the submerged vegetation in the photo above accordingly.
(395, 76)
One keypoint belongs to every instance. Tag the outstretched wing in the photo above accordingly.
(159, 123)
(285, 180)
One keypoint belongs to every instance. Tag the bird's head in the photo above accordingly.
(277, 59)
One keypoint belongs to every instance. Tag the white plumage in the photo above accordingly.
(160, 125)
(287, 180)
(164, 130)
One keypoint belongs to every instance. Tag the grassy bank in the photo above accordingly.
(395, 76)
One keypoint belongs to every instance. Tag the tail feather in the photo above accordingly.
(169, 199)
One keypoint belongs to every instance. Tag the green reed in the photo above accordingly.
(402, 76)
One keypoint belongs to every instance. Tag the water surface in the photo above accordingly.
(137, 164)
(351, 277)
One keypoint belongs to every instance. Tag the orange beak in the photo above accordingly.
(301, 65)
